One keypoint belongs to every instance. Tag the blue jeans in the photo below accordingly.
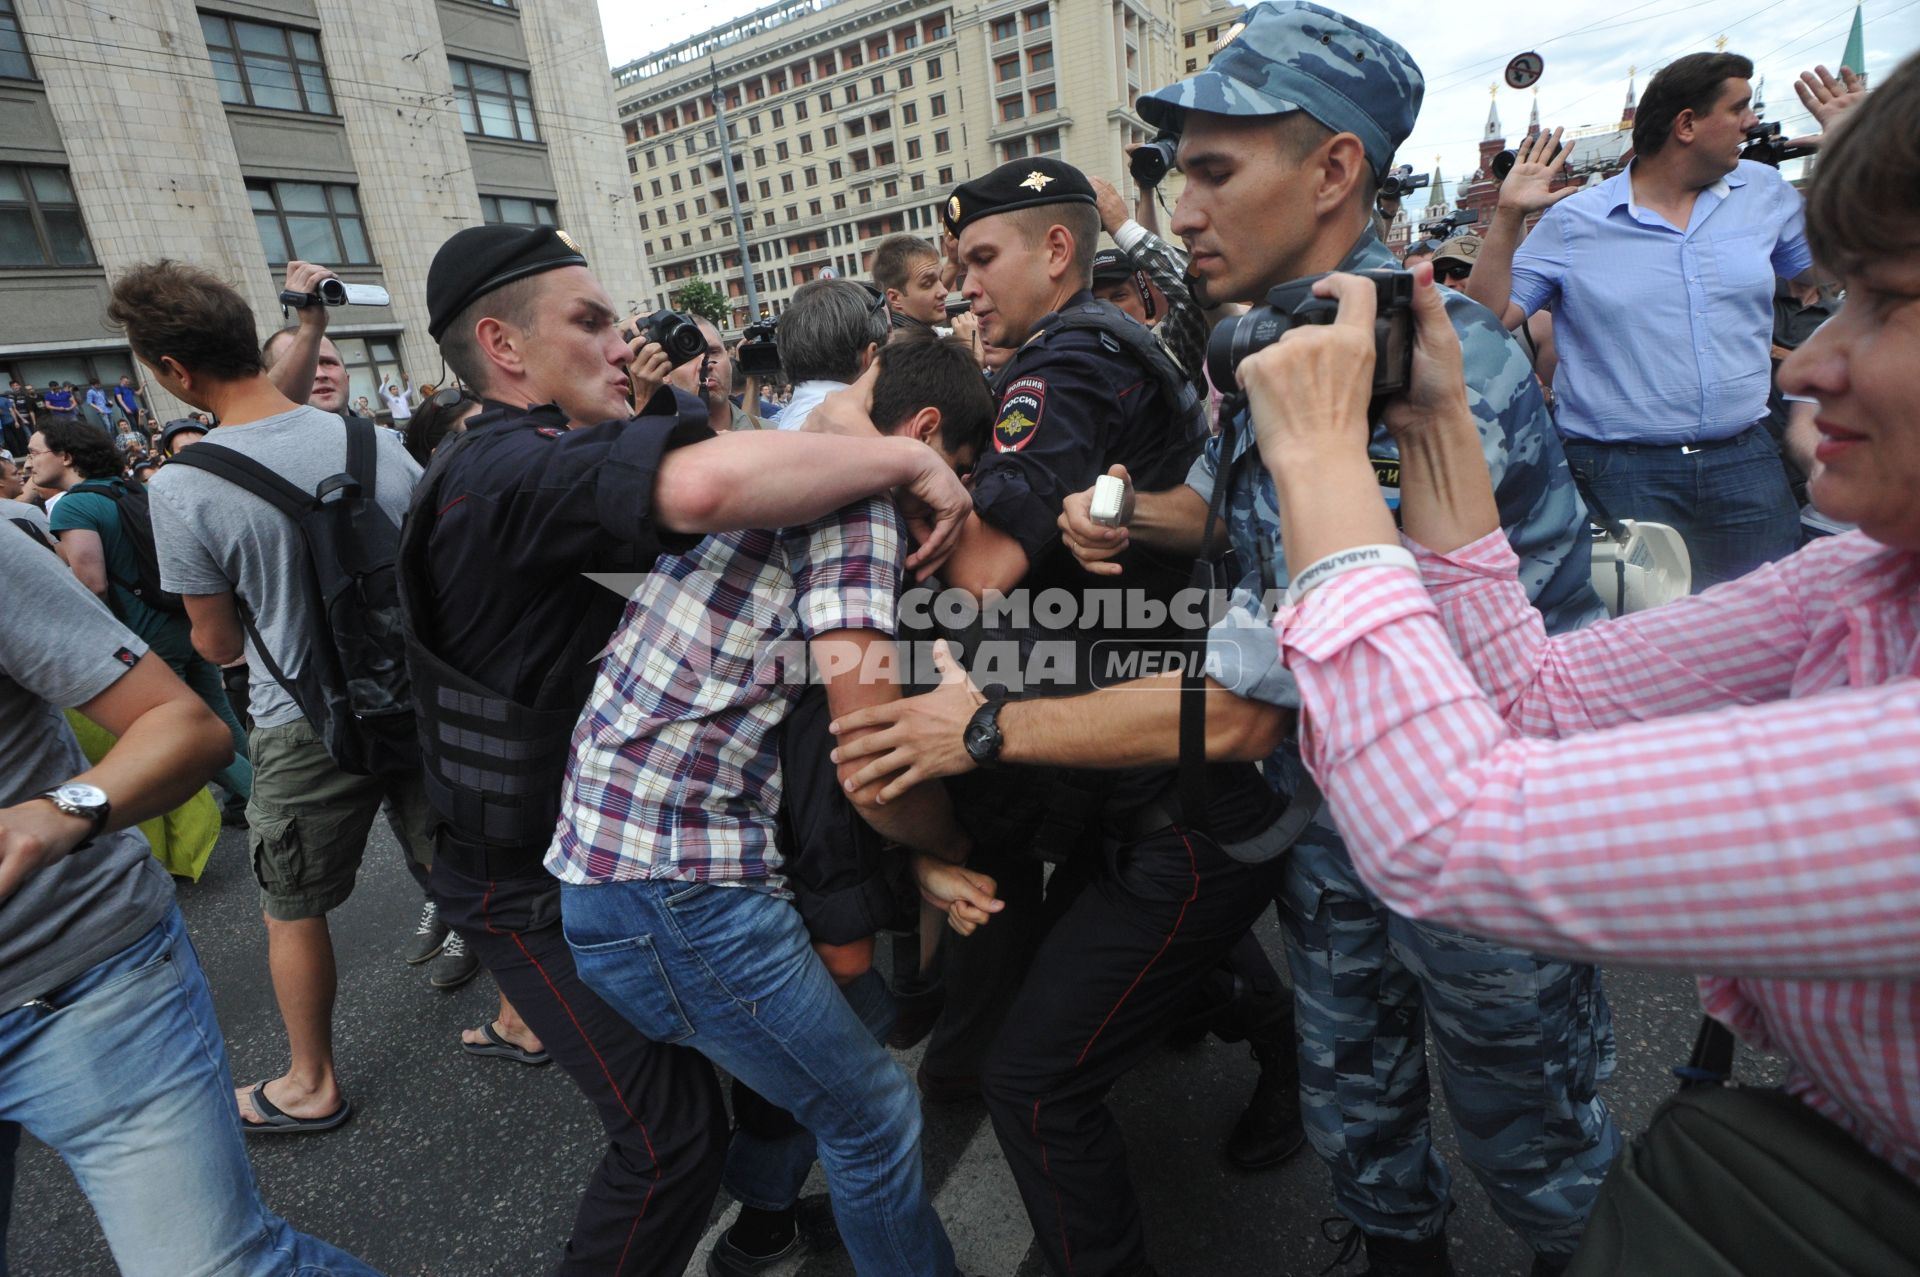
(770, 1155)
(124, 1073)
(1732, 503)
(731, 973)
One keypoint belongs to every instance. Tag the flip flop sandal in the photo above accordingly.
(500, 1046)
(274, 1122)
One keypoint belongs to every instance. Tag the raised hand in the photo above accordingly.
(1538, 162)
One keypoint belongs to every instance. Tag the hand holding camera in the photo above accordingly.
(647, 367)
(1311, 385)
(310, 289)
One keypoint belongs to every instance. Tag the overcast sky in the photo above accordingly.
(1463, 48)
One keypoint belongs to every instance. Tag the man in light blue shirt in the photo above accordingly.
(1660, 281)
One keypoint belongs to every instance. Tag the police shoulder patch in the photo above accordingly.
(1020, 410)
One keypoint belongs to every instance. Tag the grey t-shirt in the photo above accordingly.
(21, 512)
(63, 651)
(213, 537)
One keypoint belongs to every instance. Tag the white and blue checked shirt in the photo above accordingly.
(1664, 334)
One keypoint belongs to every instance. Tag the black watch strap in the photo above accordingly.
(983, 739)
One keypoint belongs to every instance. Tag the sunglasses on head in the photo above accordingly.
(451, 397)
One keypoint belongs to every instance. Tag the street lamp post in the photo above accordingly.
(733, 197)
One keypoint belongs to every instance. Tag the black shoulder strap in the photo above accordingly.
(1712, 1061)
(360, 454)
(1137, 340)
(1192, 776)
(244, 472)
(32, 529)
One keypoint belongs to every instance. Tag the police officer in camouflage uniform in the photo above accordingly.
(1522, 1040)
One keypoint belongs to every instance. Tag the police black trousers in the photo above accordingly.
(647, 1204)
(983, 971)
(1149, 922)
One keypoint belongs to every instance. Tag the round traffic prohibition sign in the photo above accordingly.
(1524, 71)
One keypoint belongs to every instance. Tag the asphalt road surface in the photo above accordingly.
(457, 1166)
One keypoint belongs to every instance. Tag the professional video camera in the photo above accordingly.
(332, 292)
(758, 354)
(673, 332)
(1765, 145)
(1291, 304)
(1403, 181)
(1443, 228)
(1151, 162)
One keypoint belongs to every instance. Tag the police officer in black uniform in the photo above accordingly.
(1144, 904)
(555, 478)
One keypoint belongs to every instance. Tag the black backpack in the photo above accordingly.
(136, 525)
(355, 689)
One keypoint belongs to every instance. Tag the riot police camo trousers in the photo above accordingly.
(1522, 1042)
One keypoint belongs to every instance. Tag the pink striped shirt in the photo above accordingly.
(1713, 828)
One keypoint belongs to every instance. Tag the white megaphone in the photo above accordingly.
(1639, 565)
(1636, 565)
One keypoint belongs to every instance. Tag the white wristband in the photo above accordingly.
(1350, 560)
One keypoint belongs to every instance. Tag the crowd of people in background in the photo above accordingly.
(675, 825)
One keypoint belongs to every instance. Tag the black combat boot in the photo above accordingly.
(1269, 1131)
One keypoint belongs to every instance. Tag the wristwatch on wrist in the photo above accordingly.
(982, 737)
(87, 801)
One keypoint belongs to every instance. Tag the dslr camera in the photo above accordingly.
(1765, 145)
(758, 354)
(1292, 304)
(332, 292)
(1402, 182)
(1151, 162)
(673, 332)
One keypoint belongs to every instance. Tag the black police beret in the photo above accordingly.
(480, 259)
(1019, 184)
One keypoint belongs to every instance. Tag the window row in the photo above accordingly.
(280, 68)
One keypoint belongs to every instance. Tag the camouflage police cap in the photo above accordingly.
(1293, 56)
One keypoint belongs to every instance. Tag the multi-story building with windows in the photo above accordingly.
(850, 120)
(236, 134)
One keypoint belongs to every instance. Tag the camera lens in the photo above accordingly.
(1151, 163)
(332, 292)
(1503, 165)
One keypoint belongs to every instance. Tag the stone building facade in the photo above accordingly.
(850, 120)
(232, 133)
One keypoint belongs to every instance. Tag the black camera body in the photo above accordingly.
(758, 354)
(1765, 145)
(1402, 182)
(1152, 161)
(674, 333)
(334, 292)
(1443, 228)
(1292, 304)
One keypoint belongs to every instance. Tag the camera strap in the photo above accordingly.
(1191, 780)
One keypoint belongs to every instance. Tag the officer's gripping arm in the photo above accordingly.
(1172, 522)
(899, 744)
(855, 664)
(771, 479)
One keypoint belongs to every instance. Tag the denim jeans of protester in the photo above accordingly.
(123, 1072)
(730, 972)
(771, 1155)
